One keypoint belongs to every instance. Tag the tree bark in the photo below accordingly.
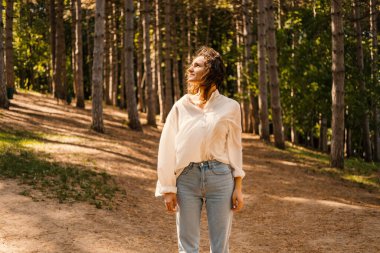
(60, 64)
(79, 89)
(129, 77)
(168, 68)
(9, 64)
(263, 100)
(52, 17)
(107, 53)
(159, 71)
(97, 69)
(140, 61)
(151, 98)
(375, 76)
(273, 79)
(338, 75)
(114, 54)
(4, 102)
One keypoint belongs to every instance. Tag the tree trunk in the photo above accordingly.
(184, 50)
(362, 87)
(168, 68)
(52, 17)
(323, 134)
(174, 24)
(79, 89)
(97, 69)
(338, 75)
(274, 80)
(60, 69)
(151, 98)
(140, 61)
(122, 60)
(10, 75)
(133, 115)
(263, 100)
(107, 53)
(114, 55)
(160, 74)
(375, 76)
(4, 102)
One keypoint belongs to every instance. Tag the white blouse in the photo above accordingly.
(193, 134)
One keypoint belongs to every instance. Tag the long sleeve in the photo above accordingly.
(234, 145)
(166, 163)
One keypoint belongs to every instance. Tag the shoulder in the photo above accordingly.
(231, 103)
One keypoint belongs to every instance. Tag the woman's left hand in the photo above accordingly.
(237, 200)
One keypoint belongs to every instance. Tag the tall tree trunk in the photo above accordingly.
(159, 71)
(107, 53)
(274, 80)
(168, 68)
(140, 61)
(151, 98)
(338, 75)
(263, 97)
(122, 60)
(4, 102)
(174, 24)
(129, 76)
(60, 69)
(79, 89)
(184, 48)
(375, 76)
(362, 87)
(114, 55)
(97, 69)
(10, 75)
(52, 18)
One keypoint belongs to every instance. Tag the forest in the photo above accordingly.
(304, 71)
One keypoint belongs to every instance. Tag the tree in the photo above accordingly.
(60, 53)
(263, 103)
(4, 102)
(97, 69)
(10, 75)
(78, 69)
(158, 58)
(168, 67)
(338, 75)
(273, 78)
(134, 121)
(52, 44)
(151, 96)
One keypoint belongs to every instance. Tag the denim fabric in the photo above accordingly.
(210, 182)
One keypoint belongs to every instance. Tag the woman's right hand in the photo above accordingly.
(170, 202)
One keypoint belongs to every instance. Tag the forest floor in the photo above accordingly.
(288, 206)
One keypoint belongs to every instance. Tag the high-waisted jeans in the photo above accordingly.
(210, 182)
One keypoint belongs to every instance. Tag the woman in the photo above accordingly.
(200, 156)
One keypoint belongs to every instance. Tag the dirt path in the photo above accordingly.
(288, 208)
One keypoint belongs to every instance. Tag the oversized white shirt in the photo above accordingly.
(193, 134)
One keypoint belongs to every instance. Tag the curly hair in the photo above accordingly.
(215, 70)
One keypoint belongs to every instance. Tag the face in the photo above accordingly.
(196, 70)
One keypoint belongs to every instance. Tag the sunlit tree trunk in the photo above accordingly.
(375, 76)
(134, 121)
(9, 65)
(168, 68)
(114, 54)
(338, 75)
(60, 69)
(263, 100)
(158, 49)
(174, 24)
(120, 39)
(97, 69)
(184, 48)
(273, 79)
(79, 90)
(4, 102)
(140, 61)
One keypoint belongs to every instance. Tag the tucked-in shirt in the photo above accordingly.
(192, 134)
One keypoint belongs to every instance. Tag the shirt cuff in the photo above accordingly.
(161, 190)
(238, 173)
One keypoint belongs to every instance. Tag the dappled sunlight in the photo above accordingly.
(288, 163)
(327, 203)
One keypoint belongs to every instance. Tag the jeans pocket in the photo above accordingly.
(186, 170)
(221, 169)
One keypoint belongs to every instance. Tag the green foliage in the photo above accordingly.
(67, 183)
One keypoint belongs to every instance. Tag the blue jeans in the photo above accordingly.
(210, 182)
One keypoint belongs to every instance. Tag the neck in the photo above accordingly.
(202, 92)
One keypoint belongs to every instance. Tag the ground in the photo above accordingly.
(288, 207)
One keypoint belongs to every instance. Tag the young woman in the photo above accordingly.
(200, 156)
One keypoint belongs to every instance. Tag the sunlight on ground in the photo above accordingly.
(328, 203)
(288, 163)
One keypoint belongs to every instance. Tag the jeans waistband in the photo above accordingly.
(208, 162)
